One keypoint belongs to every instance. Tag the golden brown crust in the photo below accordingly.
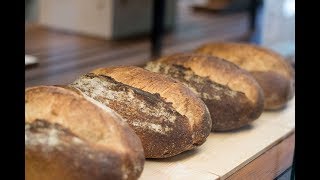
(165, 114)
(156, 122)
(254, 58)
(105, 145)
(173, 91)
(232, 96)
(53, 152)
(217, 70)
(249, 56)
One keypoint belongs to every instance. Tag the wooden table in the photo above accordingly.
(63, 55)
(261, 151)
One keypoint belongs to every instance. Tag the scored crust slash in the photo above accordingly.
(166, 115)
(232, 96)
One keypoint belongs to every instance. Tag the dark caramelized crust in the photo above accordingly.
(148, 114)
(209, 78)
(68, 137)
(53, 152)
(164, 125)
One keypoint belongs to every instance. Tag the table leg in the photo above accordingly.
(157, 27)
(253, 13)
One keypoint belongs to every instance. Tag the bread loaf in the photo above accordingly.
(166, 115)
(273, 73)
(69, 137)
(232, 96)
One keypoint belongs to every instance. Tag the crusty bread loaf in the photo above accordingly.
(232, 96)
(69, 137)
(166, 115)
(273, 73)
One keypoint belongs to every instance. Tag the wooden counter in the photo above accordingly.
(260, 151)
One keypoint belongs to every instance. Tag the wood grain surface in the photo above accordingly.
(63, 56)
(270, 164)
(223, 155)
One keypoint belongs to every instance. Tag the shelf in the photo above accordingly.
(233, 154)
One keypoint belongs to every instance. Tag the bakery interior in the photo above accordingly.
(66, 39)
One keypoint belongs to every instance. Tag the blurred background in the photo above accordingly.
(67, 38)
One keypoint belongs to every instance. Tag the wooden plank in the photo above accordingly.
(177, 172)
(49, 40)
(49, 75)
(225, 153)
(63, 56)
(270, 164)
(62, 73)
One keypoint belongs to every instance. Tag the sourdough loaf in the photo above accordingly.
(231, 94)
(69, 137)
(274, 74)
(166, 115)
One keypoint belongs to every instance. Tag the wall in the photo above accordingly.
(31, 10)
(109, 19)
(135, 16)
(278, 28)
